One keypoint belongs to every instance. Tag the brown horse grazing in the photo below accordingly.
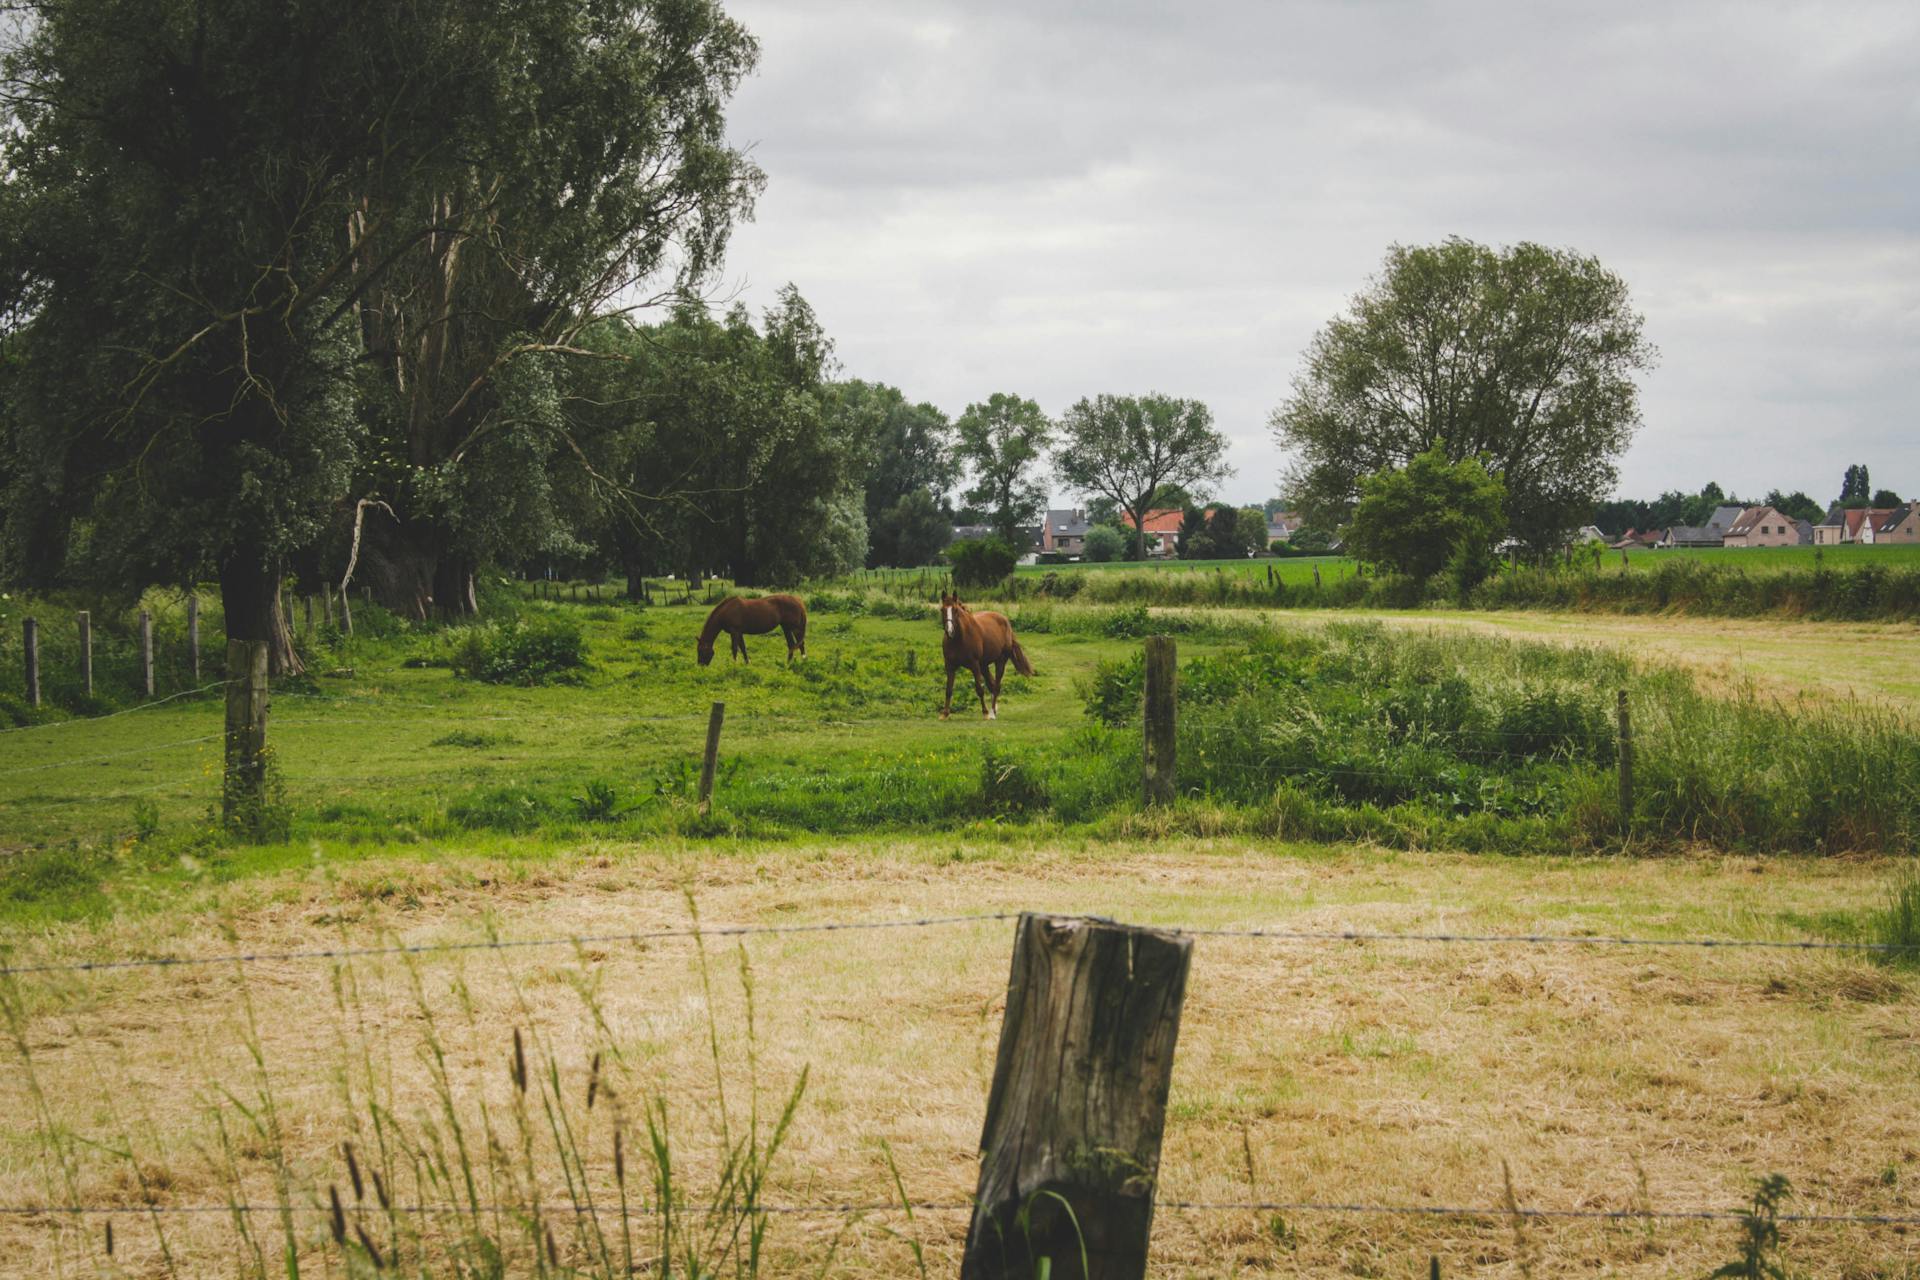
(977, 641)
(740, 617)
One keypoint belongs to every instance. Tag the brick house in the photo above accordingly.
(1166, 523)
(1902, 524)
(1761, 527)
(1064, 532)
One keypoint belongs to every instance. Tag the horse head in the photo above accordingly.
(703, 650)
(951, 611)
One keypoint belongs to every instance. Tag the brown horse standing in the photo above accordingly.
(977, 641)
(740, 617)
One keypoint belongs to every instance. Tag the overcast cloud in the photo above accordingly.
(1063, 200)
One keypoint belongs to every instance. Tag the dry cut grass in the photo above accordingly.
(1391, 1074)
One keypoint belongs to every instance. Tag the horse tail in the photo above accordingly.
(1020, 662)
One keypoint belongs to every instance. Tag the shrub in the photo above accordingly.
(538, 650)
(1899, 924)
(1126, 624)
(981, 562)
(1104, 544)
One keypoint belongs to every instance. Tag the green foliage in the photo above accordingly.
(1898, 923)
(1104, 543)
(538, 649)
(1413, 519)
(1001, 442)
(598, 801)
(514, 808)
(909, 467)
(1536, 350)
(1760, 1235)
(981, 562)
(1137, 451)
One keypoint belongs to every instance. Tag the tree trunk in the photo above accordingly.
(250, 596)
(412, 570)
(636, 582)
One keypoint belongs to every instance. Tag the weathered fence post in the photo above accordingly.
(146, 652)
(30, 646)
(86, 652)
(712, 757)
(1626, 765)
(913, 661)
(244, 787)
(193, 635)
(1316, 577)
(327, 601)
(1070, 1151)
(1157, 757)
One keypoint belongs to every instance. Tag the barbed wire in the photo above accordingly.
(831, 926)
(857, 1209)
(506, 944)
(124, 711)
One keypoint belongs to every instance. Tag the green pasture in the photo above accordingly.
(1322, 731)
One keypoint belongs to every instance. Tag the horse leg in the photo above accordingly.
(999, 678)
(980, 688)
(948, 709)
(740, 647)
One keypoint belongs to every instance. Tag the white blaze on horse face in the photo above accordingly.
(947, 613)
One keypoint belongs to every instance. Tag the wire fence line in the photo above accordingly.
(856, 1209)
(926, 922)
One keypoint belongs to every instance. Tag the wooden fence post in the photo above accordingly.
(1626, 766)
(1157, 757)
(913, 661)
(1070, 1151)
(712, 757)
(146, 652)
(307, 602)
(193, 634)
(327, 601)
(244, 787)
(30, 645)
(86, 652)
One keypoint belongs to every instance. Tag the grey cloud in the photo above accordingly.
(1062, 200)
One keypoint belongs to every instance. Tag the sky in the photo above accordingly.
(1061, 200)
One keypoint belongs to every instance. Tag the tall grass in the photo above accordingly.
(566, 1172)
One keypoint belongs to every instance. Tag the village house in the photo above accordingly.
(1761, 527)
(1164, 522)
(1902, 524)
(1064, 532)
(1281, 526)
(1690, 536)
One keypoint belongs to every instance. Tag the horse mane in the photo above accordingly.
(713, 626)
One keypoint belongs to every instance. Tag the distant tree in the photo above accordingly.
(1855, 485)
(1195, 542)
(1795, 506)
(1133, 449)
(1884, 498)
(905, 448)
(1225, 539)
(1416, 518)
(1001, 441)
(1525, 357)
(1105, 543)
(1274, 506)
(1253, 530)
(1310, 539)
(912, 532)
(982, 562)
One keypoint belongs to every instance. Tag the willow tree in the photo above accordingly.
(221, 221)
(605, 182)
(1129, 449)
(1524, 357)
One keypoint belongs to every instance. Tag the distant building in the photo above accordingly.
(1688, 536)
(1282, 525)
(1166, 523)
(1762, 527)
(1723, 518)
(1064, 532)
(1902, 524)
